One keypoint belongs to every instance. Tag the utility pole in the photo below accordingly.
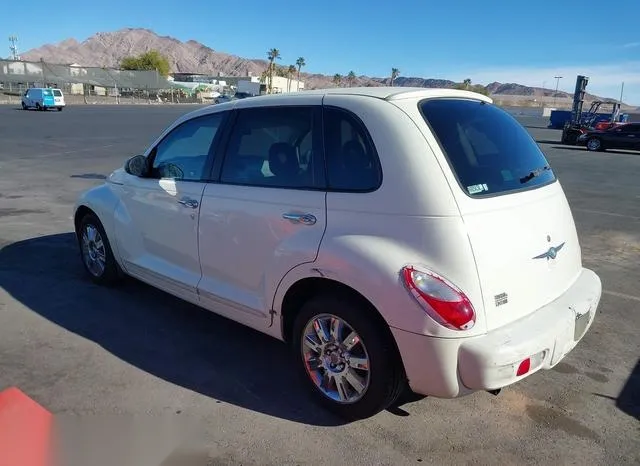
(13, 48)
(557, 78)
(621, 93)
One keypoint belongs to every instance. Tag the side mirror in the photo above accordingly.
(137, 166)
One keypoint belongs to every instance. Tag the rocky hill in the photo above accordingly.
(108, 49)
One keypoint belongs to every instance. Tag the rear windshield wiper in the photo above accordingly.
(534, 173)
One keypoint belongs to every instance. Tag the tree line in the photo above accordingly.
(154, 60)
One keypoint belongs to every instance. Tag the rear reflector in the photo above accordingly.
(524, 367)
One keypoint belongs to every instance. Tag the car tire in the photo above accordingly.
(59, 109)
(24, 106)
(594, 145)
(365, 392)
(38, 107)
(95, 252)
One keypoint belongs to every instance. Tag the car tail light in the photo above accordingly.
(442, 300)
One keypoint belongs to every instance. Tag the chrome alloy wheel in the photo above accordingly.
(593, 144)
(93, 250)
(335, 358)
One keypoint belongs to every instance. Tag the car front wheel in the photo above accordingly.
(346, 359)
(97, 256)
(594, 144)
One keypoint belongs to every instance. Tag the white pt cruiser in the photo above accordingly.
(393, 237)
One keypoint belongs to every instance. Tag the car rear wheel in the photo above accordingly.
(59, 109)
(95, 249)
(24, 106)
(594, 144)
(38, 107)
(347, 361)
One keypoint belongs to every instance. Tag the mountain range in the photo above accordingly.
(108, 48)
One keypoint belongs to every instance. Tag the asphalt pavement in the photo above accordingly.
(90, 353)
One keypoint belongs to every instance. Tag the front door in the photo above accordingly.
(157, 224)
(266, 214)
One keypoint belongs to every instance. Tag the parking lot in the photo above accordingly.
(79, 349)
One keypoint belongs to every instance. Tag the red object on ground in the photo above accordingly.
(25, 429)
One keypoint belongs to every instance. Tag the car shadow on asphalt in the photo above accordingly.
(547, 141)
(580, 148)
(628, 401)
(157, 333)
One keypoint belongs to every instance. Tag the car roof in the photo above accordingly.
(385, 93)
(380, 92)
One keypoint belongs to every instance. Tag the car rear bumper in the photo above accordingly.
(453, 367)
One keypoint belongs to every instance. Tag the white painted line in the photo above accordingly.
(622, 295)
(611, 214)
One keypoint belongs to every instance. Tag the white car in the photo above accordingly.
(394, 237)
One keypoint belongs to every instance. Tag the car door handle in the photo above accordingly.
(305, 219)
(189, 203)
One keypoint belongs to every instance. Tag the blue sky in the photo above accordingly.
(503, 40)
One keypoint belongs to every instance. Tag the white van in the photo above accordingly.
(393, 237)
(43, 98)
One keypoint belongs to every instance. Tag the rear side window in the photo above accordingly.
(57, 93)
(489, 152)
(47, 92)
(274, 147)
(352, 162)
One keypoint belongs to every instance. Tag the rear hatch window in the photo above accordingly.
(489, 152)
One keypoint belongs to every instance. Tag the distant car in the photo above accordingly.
(242, 95)
(625, 136)
(222, 98)
(43, 99)
(393, 237)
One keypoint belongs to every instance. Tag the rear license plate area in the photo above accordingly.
(581, 325)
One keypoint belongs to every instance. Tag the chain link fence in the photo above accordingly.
(92, 85)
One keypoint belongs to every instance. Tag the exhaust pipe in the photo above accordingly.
(495, 392)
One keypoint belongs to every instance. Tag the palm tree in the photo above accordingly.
(394, 74)
(337, 79)
(289, 71)
(300, 63)
(351, 78)
(272, 55)
(467, 83)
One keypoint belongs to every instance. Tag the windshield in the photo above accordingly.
(488, 150)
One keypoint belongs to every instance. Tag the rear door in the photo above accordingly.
(58, 97)
(266, 214)
(519, 223)
(630, 137)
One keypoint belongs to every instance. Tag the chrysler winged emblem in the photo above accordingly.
(551, 253)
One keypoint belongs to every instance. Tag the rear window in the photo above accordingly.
(489, 152)
(57, 93)
(47, 92)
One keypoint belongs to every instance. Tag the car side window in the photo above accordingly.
(273, 147)
(352, 162)
(183, 153)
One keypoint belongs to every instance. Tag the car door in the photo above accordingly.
(633, 136)
(621, 137)
(266, 214)
(157, 223)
